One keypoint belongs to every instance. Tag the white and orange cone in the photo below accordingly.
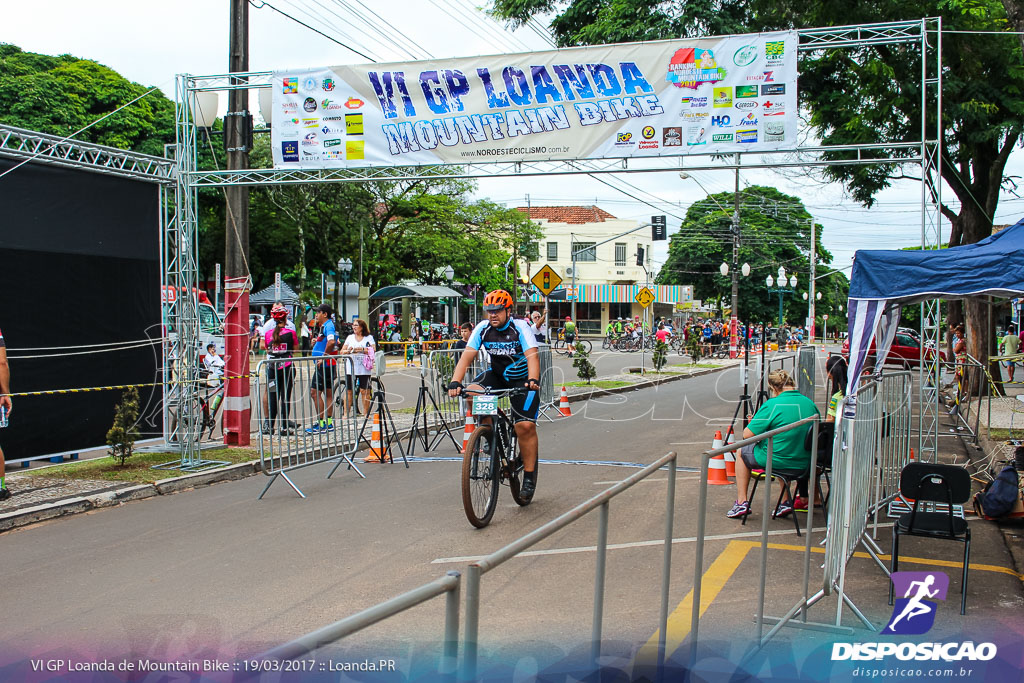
(730, 458)
(376, 448)
(468, 431)
(563, 403)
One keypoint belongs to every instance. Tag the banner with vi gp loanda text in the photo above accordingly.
(665, 98)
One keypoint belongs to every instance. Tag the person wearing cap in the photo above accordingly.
(260, 343)
(280, 343)
(325, 372)
(570, 334)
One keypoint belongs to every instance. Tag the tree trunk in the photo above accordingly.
(1015, 13)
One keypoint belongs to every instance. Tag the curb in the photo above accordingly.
(79, 504)
(586, 396)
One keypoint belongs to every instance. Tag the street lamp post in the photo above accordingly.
(344, 268)
(781, 289)
(736, 270)
(449, 274)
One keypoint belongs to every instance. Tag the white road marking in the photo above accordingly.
(620, 546)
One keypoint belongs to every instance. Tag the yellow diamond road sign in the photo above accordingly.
(645, 297)
(546, 280)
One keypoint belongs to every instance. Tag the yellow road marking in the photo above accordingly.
(715, 578)
(726, 564)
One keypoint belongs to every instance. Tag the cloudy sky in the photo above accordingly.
(149, 42)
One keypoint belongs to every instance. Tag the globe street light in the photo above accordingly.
(344, 268)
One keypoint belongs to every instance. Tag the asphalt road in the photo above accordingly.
(215, 570)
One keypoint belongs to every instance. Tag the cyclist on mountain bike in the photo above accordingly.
(514, 363)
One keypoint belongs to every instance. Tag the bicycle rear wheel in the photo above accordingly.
(587, 345)
(559, 347)
(515, 480)
(480, 477)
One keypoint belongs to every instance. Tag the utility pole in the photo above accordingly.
(735, 262)
(810, 292)
(236, 242)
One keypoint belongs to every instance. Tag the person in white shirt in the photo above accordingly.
(213, 363)
(539, 326)
(360, 345)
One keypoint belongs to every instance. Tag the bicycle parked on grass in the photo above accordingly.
(492, 457)
(206, 405)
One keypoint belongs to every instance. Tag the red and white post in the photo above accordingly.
(236, 347)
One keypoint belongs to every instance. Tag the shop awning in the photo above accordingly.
(415, 292)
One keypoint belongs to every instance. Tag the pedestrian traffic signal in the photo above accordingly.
(659, 229)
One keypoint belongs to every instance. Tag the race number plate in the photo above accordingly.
(485, 405)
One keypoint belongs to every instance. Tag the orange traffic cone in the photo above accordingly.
(470, 426)
(563, 403)
(716, 466)
(730, 458)
(376, 449)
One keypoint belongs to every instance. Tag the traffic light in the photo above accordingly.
(659, 229)
(639, 256)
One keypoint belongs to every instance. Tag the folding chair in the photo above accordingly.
(788, 478)
(934, 483)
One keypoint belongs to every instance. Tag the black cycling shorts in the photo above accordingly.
(570, 339)
(361, 381)
(525, 406)
(323, 377)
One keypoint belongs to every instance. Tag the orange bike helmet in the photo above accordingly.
(497, 300)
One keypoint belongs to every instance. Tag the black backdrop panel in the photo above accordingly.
(79, 266)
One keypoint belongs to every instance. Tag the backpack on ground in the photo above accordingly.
(999, 496)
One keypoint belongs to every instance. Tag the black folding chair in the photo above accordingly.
(934, 483)
(788, 478)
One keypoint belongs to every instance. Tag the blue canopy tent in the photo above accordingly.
(883, 281)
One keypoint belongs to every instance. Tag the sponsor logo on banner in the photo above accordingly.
(333, 154)
(310, 123)
(333, 142)
(745, 56)
(774, 108)
(672, 136)
(721, 137)
(724, 121)
(695, 135)
(746, 91)
(622, 139)
(746, 136)
(338, 117)
(768, 77)
(289, 86)
(327, 130)
(777, 89)
(289, 106)
(309, 104)
(774, 131)
(746, 104)
(647, 132)
(290, 150)
(309, 85)
(774, 50)
(354, 149)
(327, 85)
(329, 104)
(693, 115)
(311, 137)
(723, 97)
(309, 154)
(698, 102)
(692, 66)
(748, 120)
(354, 103)
(648, 144)
(354, 125)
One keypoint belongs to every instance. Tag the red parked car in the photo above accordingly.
(906, 350)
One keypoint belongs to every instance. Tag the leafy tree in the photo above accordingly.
(581, 361)
(660, 356)
(774, 230)
(61, 95)
(867, 95)
(122, 435)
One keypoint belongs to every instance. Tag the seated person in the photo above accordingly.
(213, 363)
(789, 456)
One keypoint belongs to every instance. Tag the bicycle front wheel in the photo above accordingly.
(587, 345)
(480, 477)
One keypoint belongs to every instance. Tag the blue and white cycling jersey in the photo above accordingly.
(506, 345)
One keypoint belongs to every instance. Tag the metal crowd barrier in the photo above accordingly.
(806, 370)
(896, 428)
(767, 500)
(296, 438)
(854, 466)
(447, 585)
(476, 570)
(970, 384)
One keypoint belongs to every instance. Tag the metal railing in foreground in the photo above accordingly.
(477, 569)
(767, 500)
(304, 427)
(447, 585)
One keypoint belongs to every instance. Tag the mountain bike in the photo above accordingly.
(491, 457)
(564, 349)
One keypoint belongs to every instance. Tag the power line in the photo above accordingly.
(264, 3)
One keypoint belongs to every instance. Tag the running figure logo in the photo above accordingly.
(914, 613)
